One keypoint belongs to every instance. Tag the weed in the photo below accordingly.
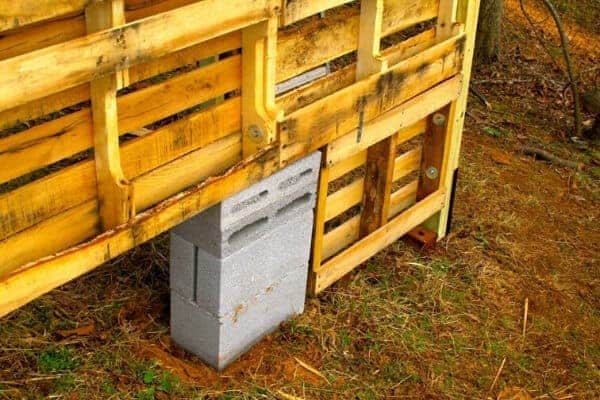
(56, 360)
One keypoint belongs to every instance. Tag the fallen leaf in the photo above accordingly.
(83, 330)
(500, 157)
(514, 393)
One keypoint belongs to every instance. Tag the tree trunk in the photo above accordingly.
(489, 28)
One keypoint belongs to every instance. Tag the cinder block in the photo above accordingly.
(220, 285)
(220, 340)
(268, 192)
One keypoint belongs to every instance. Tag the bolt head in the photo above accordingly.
(432, 172)
(439, 119)
(255, 133)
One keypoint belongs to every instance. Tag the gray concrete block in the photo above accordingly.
(249, 228)
(265, 193)
(221, 340)
(220, 285)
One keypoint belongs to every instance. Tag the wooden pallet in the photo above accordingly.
(123, 118)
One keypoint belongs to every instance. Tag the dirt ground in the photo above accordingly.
(506, 307)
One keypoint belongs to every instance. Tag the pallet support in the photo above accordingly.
(115, 193)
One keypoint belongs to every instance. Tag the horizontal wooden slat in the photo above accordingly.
(344, 199)
(347, 145)
(333, 116)
(14, 14)
(407, 163)
(69, 135)
(296, 10)
(403, 198)
(365, 248)
(74, 185)
(347, 165)
(186, 171)
(44, 275)
(39, 73)
(340, 238)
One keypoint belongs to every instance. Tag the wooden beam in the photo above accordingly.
(115, 194)
(407, 163)
(344, 199)
(299, 9)
(340, 237)
(369, 59)
(14, 14)
(469, 11)
(40, 277)
(39, 73)
(319, 225)
(259, 115)
(378, 185)
(403, 198)
(365, 248)
(323, 121)
(432, 158)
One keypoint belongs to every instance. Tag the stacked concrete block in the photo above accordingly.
(239, 269)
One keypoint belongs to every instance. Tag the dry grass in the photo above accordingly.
(407, 325)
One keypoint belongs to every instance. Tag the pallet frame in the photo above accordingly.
(130, 192)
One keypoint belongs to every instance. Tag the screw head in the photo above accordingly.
(439, 119)
(255, 133)
(432, 172)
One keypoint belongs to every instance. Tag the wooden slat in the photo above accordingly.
(37, 74)
(344, 199)
(296, 10)
(365, 248)
(434, 143)
(406, 117)
(323, 121)
(468, 12)
(38, 278)
(402, 14)
(14, 14)
(378, 185)
(186, 171)
(58, 101)
(319, 225)
(115, 194)
(409, 47)
(340, 238)
(69, 135)
(369, 59)
(347, 165)
(403, 198)
(76, 184)
(407, 163)
(259, 52)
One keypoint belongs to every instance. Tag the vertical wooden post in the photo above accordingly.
(319, 226)
(116, 205)
(467, 13)
(380, 157)
(446, 18)
(259, 113)
(432, 158)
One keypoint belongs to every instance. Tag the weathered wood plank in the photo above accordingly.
(40, 277)
(340, 238)
(295, 10)
(407, 163)
(39, 73)
(333, 116)
(344, 199)
(403, 198)
(61, 138)
(74, 185)
(14, 14)
(347, 165)
(365, 248)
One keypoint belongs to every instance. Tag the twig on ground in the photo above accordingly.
(497, 374)
(551, 158)
(479, 96)
(525, 312)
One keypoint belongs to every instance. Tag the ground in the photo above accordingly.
(506, 307)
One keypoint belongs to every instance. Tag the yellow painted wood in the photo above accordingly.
(333, 116)
(408, 115)
(344, 199)
(37, 74)
(340, 238)
(46, 197)
(365, 248)
(407, 163)
(299, 9)
(403, 198)
(40, 277)
(115, 194)
(347, 165)
(259, 114)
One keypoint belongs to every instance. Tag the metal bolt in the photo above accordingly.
(439, 119)
(255, 133)
(432, 172)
